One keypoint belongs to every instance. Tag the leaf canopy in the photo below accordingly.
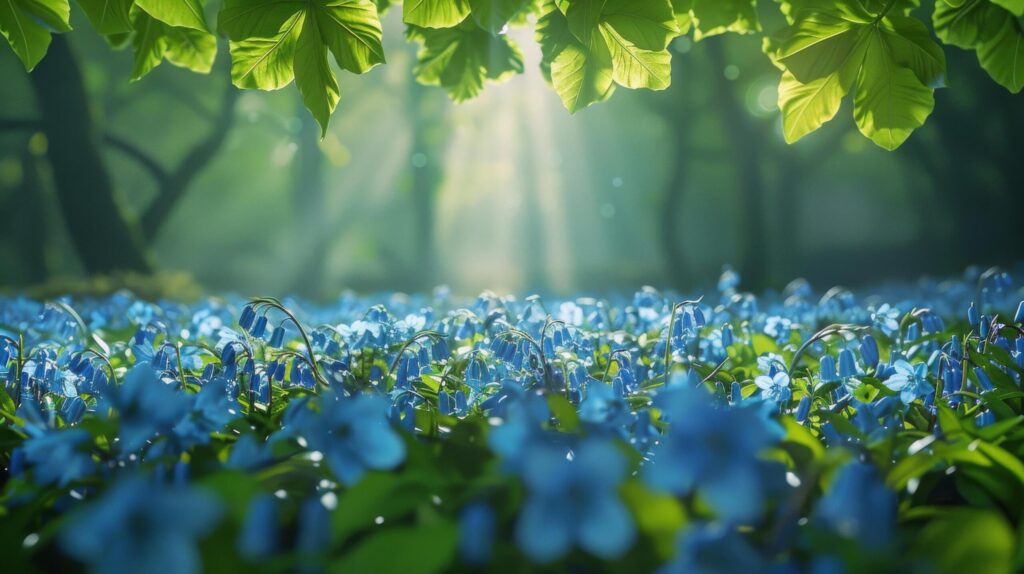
(878, 52)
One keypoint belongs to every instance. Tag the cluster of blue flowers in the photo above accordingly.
(789, 432)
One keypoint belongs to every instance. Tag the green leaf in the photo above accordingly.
(191, 49)
(435, 13)
(992, 30)
(108, 16)
(183, 13)
(805, 107)
(565, 412)
(462, 58)
(313, 74)
(352, 31)
(821, 43)
(1002, 54)
(889, 55)
(961, 25)
(377, 494)
(1003, 458)
(914, 466)
(423, 549)
(266, 63)
(714, 17)
(276, 41)
(967, 540)
(637, 35)
(911, 45)
(890, 101)
(147, 44)
(493, 15)
(26, 24)
(1016, 7)
(155, 41)
(553, 35)
(660, 516)
(244, 19)
(582, 74)
(54, 14)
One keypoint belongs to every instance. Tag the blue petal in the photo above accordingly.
(607, 529)
(543, 531)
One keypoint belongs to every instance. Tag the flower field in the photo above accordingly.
(802, 431)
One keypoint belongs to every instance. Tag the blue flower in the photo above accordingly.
(712, 449)
(212, 410)
(260, 529)
(145, 406)
(477, 526)
(886, 318)
(59, 456)
(773, 388)
(716, 549)
(353, 434)
(138, 526)
(858, 506)
(910, 381)
(574, 500)
(602, 407)
(770, 363)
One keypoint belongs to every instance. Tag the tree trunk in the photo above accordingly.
(427, 119)
(310, 205)
(675, 114)
(104, 238)
(743, 141)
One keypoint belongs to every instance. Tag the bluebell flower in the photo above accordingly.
(139, 526)
(248, 454)
(260, 534)
(519, 429)
(716, 549)
(145, 406)
(847, 365)
(827, 369)
(59, 457)
(910, 381)
(984, 382)
(211, 410)
(1018, 317)
(314, 529)
(714, 450)
(972, 315)
(574, 502)
(72, 410)
(803, 408)
(354, 435)
(477, 527)
(773, 388)
(858, 506)
(869, 350)
(729, 280)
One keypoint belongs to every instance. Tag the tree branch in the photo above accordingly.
(195, 161)
(147, 162)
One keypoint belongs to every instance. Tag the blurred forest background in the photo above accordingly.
(506, 192)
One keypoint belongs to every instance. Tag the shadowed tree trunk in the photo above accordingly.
(745, 141)
(310, 205)
(675, 112)
(105, 239)
(426, 113)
